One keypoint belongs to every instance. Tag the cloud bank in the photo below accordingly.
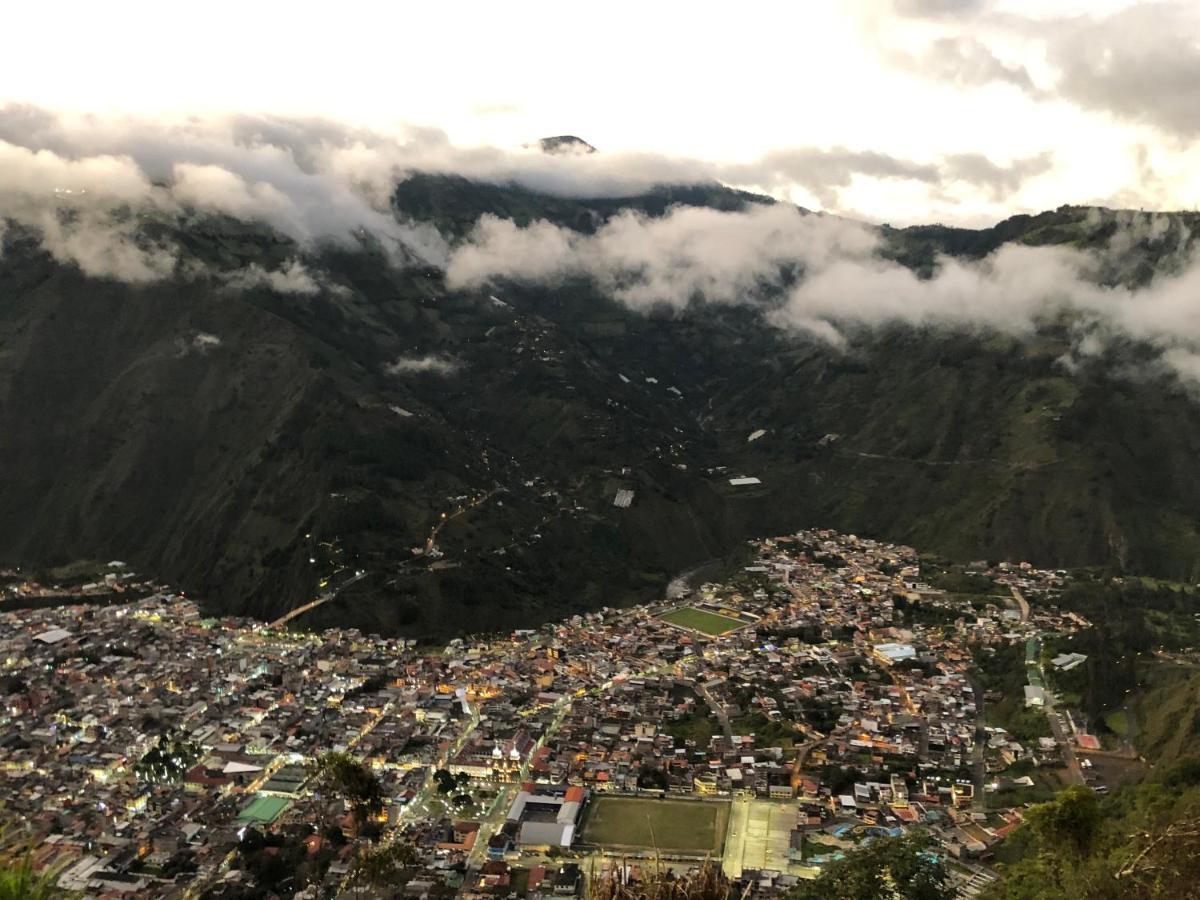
(828, 277)
(85, 183)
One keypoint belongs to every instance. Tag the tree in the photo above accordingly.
(344, 776)
(445, 781)
(885, 869)
(1071, 820)
(382, 866)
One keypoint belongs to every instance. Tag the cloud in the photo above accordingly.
(999, 181)
(85, 181)
(1005, 292)
(290, 278)
(938, 8)
(200, 343)
(1017, 287)
(81, 208)
(829, 277)
(824, 172)
(293, 175)
(965, 62)
(420, 365)
(671, 260)
(1141, 64)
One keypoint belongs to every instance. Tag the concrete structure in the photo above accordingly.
(890, 654)
(547, 817)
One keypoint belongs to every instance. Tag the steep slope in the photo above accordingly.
(258, 447)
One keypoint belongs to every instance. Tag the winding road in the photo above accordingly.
(317, 601)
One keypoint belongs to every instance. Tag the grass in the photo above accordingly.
(668, 825)
(1118, 722)
(767, 733)
(699, 620)
(697, 727)
(80, 569)
(1046, 783)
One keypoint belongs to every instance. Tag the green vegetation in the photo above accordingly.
(1118, 722)
(1138, 843)
(168, 760)
(1166, 712)
(1132, 618)
(701, 620)
(1001, 669)
(967, 444)
(1046, 783)
(448, 783)
(278, 862)
(19, 881)
(708, 882)
(958, 582)
(898, 868)
(923, 612)
(697, 727)
(382, 865)
(682, 825)
(346, 777)
(767, 732)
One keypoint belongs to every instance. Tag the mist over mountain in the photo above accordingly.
(252, 357)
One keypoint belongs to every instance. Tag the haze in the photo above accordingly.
(962, 111)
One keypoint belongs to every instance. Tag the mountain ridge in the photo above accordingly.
(226, 462)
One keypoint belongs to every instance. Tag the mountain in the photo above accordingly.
(258, 447)
(565, 143)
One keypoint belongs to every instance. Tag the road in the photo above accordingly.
(1022, 603)
(431, 541)
(999, 463)
(978, 751)
(498, 814)
(718, 711)
(489, 824)
(1063, 735)
(318, 601)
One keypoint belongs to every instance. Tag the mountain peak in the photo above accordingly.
(565, 145)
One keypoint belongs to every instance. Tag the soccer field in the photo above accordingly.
(701, 620)
(690, 826)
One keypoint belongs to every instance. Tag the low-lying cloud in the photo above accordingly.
(688, 254)
(290, 278)
(85, 183)
(428, 364)
(829, 278)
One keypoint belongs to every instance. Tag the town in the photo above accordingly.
(819, 696)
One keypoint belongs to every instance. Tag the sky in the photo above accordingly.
(900, 111)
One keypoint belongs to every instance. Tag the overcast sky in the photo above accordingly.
(892, 110)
